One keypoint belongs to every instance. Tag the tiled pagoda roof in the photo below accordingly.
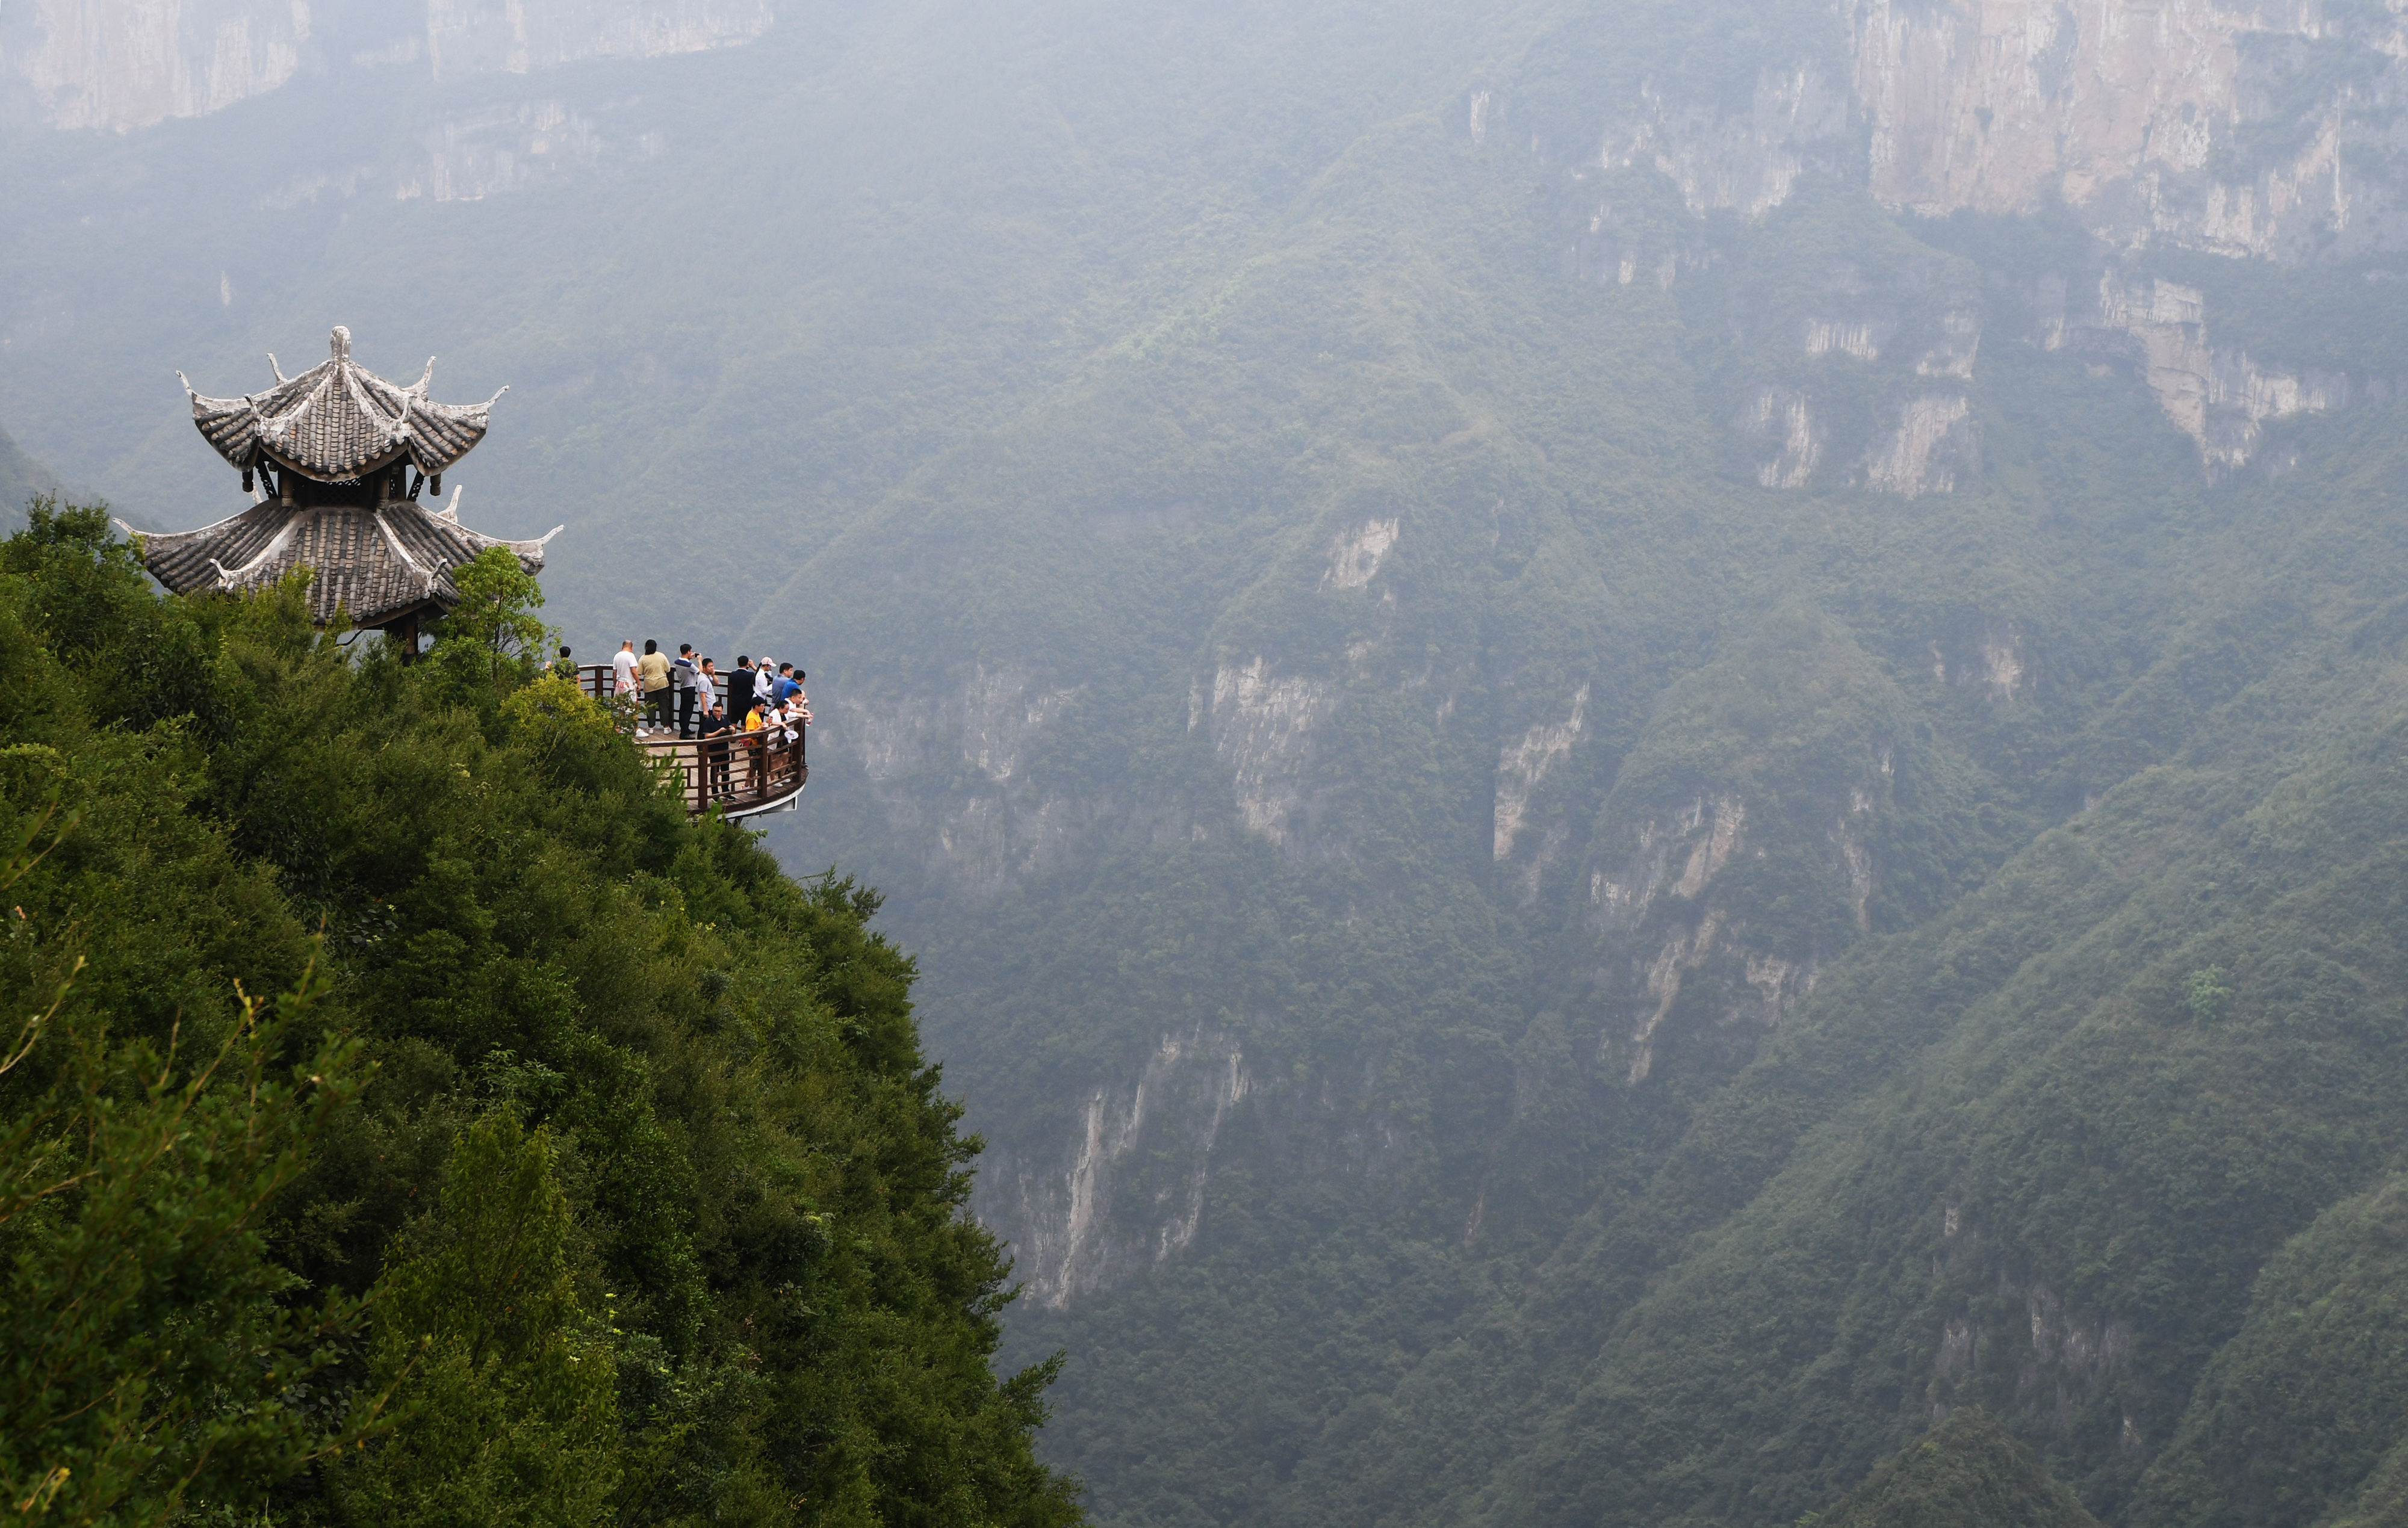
(376, 564)
(338, 420)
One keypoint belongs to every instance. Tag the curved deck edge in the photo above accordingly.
(786, 803)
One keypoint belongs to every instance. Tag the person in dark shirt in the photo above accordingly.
(711, 727)
(681, 675)
(740, 691)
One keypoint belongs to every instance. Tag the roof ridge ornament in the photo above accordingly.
(394, 540)
(341, 343)
(281, 377)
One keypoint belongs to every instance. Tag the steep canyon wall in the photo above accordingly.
(118, 66)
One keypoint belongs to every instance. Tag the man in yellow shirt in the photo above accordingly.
(652, 670)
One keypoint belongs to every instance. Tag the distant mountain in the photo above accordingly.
(20, 479)
(1625, 740)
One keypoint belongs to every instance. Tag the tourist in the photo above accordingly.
(802, 706)
(785, 687)
(740, 691)
(756, 735)
(654, 669)
(564, 666)
(622, 664)
(713, 724)
(681, 676)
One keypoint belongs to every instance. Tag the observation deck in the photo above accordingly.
(744, 774)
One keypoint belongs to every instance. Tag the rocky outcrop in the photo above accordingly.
(1525, 762)
(1682, 952)
(1992, 656)
(1356, 555)
(114, 64)
(1862, 340)
(120, 64)
(1934, 439)
(1128, 1192)
(1786, 416)
(2118, 110)
(2220, 398)
(1960, 342)
(1706, 832)
(1263, 727)
(517, 37)
(1797, 119)
(982, 837)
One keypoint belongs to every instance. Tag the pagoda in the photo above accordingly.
(336, 460)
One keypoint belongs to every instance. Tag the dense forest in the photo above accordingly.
(1642, 756)
(411, 1117)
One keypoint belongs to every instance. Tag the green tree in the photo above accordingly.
(494, 631)
(2207, 993)
(609, 1058)
(152, 1354)
(1968, 1472)
(512, 1417)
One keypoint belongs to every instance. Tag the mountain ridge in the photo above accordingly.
(1516, 714)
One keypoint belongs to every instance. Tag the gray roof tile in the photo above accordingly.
(375, 565)
(338, 419)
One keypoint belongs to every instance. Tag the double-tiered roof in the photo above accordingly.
(338, 456)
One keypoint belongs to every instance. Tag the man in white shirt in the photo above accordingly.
(623, 664)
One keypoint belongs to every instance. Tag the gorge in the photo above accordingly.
(1567, 700)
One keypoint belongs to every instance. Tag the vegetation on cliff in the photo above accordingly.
(587, 1168)
(1968, 1472)
(1590, 820)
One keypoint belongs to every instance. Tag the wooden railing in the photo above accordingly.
(741, 773)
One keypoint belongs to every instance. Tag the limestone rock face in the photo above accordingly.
(115, 64)
(1263, 726)
(949, 772)
(121, 65)
(1126, 1193)
(1748, 161)
(515, 37)
(2125, 111)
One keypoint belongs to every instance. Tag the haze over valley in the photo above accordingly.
(1632, 748)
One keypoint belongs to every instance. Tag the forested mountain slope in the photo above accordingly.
(1628, 742)
(413, 1117)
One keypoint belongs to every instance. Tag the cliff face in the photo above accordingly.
(2219, 128)
(97, 64)
(117, 65)
(2260, 133)
(1855, 361)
